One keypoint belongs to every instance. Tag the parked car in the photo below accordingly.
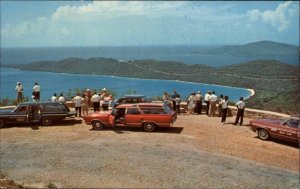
(35, 112)
(287, 130)
(130, 99)
(146, 115)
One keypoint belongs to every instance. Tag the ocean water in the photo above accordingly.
(185, 54)
(58, 82)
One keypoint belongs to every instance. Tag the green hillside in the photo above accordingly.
(276, 84)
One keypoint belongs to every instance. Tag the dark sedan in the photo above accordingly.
(35, 112)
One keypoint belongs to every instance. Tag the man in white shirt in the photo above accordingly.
(240, 111)
(206, 100)
(213, 99)
(36, 91)
(19, 89)
(77, 103)
(96, 102)
(61, 98)
(54, 98)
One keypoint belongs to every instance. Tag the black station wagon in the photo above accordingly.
(35, 112)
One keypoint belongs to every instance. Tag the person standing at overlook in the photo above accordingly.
(191, 103)
(213, 103)
(96, 102)
(77, 103)
(19, 89)
(61, 98)
(36, 90)
(240, 111)
(54, 98)
(165, 98)
(206, 100)
(198, 107)
(224, 106)
(173, 96)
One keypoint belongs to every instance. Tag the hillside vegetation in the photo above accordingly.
(276, 84)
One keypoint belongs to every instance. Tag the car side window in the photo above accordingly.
(53, 108)
(22, 109)
(154, 110)
(294, 123)
(133, 111)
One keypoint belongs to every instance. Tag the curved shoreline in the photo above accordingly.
(247, 96)
(192, 82)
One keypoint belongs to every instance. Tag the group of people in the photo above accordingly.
(105, 100)
(83, 101)
(36, 91)
(212, 102)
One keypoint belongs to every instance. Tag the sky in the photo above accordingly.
(139, 23)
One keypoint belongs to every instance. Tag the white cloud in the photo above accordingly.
(144, 22)
(278, 18)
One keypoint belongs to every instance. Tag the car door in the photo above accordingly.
(20, 115)
(111, 118)
(133, 117)
(34, 114)
(290, 130)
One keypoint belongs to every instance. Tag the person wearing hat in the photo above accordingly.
(36, 91)
(19, 89)
(198, 107)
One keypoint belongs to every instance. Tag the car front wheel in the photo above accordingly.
(149, 127)
(263, 134)
(97, 125)
(1, 123)
(46, 121)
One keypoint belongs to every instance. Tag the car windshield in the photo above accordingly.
(292, 123)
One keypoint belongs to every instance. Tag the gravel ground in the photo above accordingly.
(198, 152)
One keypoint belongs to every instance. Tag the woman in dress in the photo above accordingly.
(191, 103)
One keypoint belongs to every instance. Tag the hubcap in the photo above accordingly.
(149, 126)
(263, 134)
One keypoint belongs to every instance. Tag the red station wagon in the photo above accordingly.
(287, 130)
(146, 115)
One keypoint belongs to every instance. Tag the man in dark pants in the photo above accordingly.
(206, 100)
(240, 111)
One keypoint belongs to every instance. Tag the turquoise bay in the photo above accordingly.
(58, 82)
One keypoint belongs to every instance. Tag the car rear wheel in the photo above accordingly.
(46, 121)
(97, 125)
(149, 127)
(263, 134)
(1, 123)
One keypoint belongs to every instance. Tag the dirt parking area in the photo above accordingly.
(198, 152)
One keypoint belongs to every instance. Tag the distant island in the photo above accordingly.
(258, 49)
(276, 84)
